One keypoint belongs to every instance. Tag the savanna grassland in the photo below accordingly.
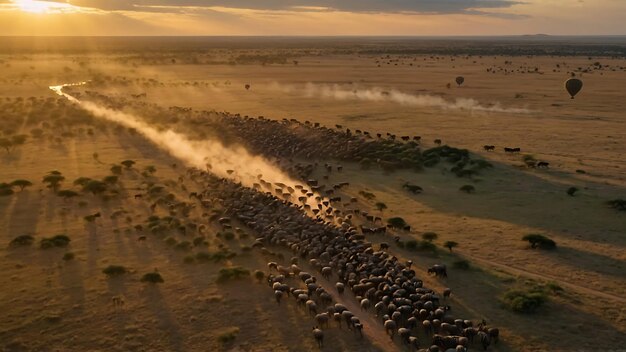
(95, 197)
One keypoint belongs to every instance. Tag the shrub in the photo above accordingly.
(199, 241)
(23, 240)
(618, 204)
(114, 270)
(128, 163)
(461, 264)
(450, 245)
(171, 241)
(189, 259)
(367, 195)
(228, 336)
(56, 241)
(572, 191)
(67, 194)
(233, 273)
(116, 169)
(259, 275)
(183, 246)
(229, 236)
(429, 236)
(397, 222)
(539, 241)
(68, 256)
(381, 206)
(5, 190)
(111, 179)
(95, 187)
(523, 301)
(411, 245)
(154, 278)
(467, 189)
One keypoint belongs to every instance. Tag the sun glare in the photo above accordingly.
(42, 7)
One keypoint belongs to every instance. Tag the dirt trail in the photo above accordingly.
(575, 287)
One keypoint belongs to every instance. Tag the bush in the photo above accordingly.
(429, 236)
(617, 204)
(539, 241)
(154, 278)
(68, 256)
(5, 191)
(572, 191)
(114, 270)
(56, 241)
(183, 246)
(461, 264)
(467, 189)
(259, 275)
(233, 273)
(228, 336)
(229, 236)
(411, 245)
(171, 241)
(367, 195)
(450, 245)
(397, 222)
(189, 259)
(23, 240)
(523, 301)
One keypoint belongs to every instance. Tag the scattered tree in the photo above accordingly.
(23, 240)
(429, 236)
(397, 222)
(21, 184)
(95, 187)
(54, 180)
(128, 163)
(572, 191)
(154, 278)
(539, 241)
(450, 245)
(56, 241)
(67, 194)
(116, 169)
(467, 189)
(114, 270)
(381, 206)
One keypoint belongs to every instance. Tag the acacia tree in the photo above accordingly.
(53, 180)
(67, 194)
(381, 206)
(21, 184)
(450, 245)
(128, 163)
(95, 187)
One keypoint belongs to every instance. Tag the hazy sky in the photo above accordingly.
(312, 17)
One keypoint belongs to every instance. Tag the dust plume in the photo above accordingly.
(234, 163)
(375, 94)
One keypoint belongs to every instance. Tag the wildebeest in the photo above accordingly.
(438, 270)
(489, 147)
(512, 150)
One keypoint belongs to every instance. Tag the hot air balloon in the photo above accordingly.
(247, 87)
(573, 86)
(460, 80)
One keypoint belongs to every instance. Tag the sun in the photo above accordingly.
(41, 7)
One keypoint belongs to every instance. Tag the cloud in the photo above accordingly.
(360, 6)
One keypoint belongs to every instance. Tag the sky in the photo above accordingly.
(312, 17)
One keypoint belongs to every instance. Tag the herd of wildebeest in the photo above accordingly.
(332, 260)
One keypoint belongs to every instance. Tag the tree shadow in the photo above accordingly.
(166, 321)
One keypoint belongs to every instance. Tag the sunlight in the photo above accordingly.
(43, 7)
